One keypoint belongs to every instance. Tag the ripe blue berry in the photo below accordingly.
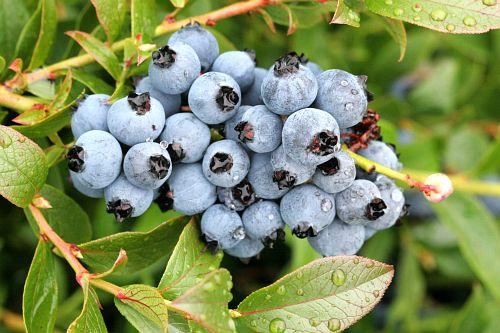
(252, 95)
(262, 221)
(261, 175)
(229, 132)
(147, 165)
(289, 86)
(343, 95)
(360, 203)
(246, 249)
(95, 159)
(91, 114)
(84, 189)
(222, 227)
(369, 232)
(237, 197)
(288, 172)
(307, 210)
(314, 67)
(136, 118)
(214, 97)
(381, 153)
(395, 201)
(201, 40)
(225, 163)
(311, 136)
(260, 129)
(336, 174)
(173, 68)
(125, 200)
(240, 65)
(187, 137)
(171, 103)
(338, 238)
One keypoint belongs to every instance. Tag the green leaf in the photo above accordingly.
(23, 167)
(13, 17)
(177, 323)
(328, 294)
(40, 292)
(189, 262)
(143, 248)
(345, 15)
(94, 83)
(74, 227)
(143, 13)
(144, 308)
(473, 315)
(459, 16)
(206, 303)
(179, 3)
(55, 154)
(396, 29)
(62, 92)
(99, 51)
(2, 64)
(36, 39)
(488, 162)
(111, 14)
(478, 236)
(461, 145)
(43, 88)
(300, 254)
(90, 319)
(3, 115)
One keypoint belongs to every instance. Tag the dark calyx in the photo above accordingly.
(158, 166)
(221, 162)
(287, 64)
(284, 179)
(303, 59)
(245, 131)
(360, 135)
(212, 246)
(122, 209)
(251, 54)
(362, 79)
(176, 152)
(192, 25)
(330, 167)
(140, 103)
(165, 198)
(276, 237)
(244, 193)
(227, 98)
(375, 209)
(323, 143)
(164, 57)
(75, 159)
(304, 230)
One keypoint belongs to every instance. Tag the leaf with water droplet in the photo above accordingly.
(460, 17)
(345, 15)
(343, 283)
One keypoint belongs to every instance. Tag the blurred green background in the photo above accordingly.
(439, 105)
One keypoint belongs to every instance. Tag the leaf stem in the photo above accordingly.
(14, 101)
(106, 286)
(12, 321)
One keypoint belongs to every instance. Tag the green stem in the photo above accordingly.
(14, 101)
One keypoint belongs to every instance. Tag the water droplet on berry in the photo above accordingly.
(326, 205)
(163, 144)
(344, 83)
(277, 325)
(469, 21)
(270, 216)
(300, 292)
(239, 233)
(349, 106)
(396, 195)
(417, 7)
(314, 322)
(354, 92)
(149, 140)
(438, 15)
(333, 324)
(317, 193)
(398, 11)
(281, 290)
(489, 2)
(338, 277)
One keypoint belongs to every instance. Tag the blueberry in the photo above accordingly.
(187, 137)
(339, 238)
(136, 118)
(360, 203)
(171, 103)
(237, 197)
(84, 189)
(225, 163)
(395, 201)
(260, 129)
(336, 174)
(289, 86)
(91, 114)
(492, 203)
(222, 227)
(381, 153)
(288, 172)
(201, 40)
(246, 249)
(343, 95)
(260, 176)
(311, 136)
(262, 221)
(173, 68)
(125, 200)
(252, 95)
(369, 232)
(307, 210)
(229, 132)
(187, 190)
(95, 159)
(314, 67)
(240, 65)
(214, 97)
(147, 165)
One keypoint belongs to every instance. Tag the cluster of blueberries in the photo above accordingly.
(280, 162)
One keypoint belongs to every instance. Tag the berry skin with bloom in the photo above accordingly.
(84, 189)
(338, 238)
(261, 175)
(225, 163)
(336, 174)
(395, 201)
(91, 114)
(147, 165)
(171, 103)
(381, 153)
(229, 132)
(288, 172)
(246, 249)
(239, 65)
(222, 227)
(262, 221)
(252, 95)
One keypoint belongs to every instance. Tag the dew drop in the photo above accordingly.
(300, 274)
(417, 7)
(356, 261)
(333, 324)
(253, 323)
(344, 83)
(416, 18)
(326, 205)
(338, 277)
(281, 290)
(239, 233)
(208, 286)
(469, 21)
(354, 92)
(211, 268)
(229, 284)
(438, 15)
(149, 140)
(398, 11)
(203, 317)
(489, 2)
(317, 193)
(270, 216)
(370, 264)
(450, 27)
(314, 322)
(388, 2)
(367, 299)
(376, 293)
(217, 279)
(349, 106)
(268, 297)
(300, 292)
(277, 325)
(163, 144)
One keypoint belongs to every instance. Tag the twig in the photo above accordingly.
(14, 101)
(12, 321)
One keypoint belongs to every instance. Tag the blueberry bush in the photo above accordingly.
(172, 266)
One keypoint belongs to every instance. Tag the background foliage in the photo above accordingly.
(439, 105)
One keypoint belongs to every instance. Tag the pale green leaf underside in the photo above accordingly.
(90, 319)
